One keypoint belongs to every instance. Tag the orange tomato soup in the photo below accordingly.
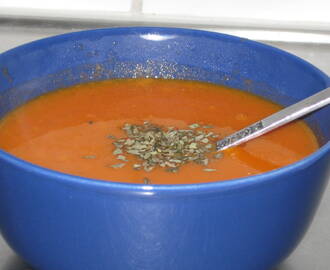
(68, 130)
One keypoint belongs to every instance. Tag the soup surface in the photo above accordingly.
(76, 130)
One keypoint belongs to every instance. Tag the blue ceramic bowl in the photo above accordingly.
(57, 221)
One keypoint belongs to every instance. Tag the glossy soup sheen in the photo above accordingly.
(68, 130)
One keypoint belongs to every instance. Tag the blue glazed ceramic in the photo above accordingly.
(56, 221)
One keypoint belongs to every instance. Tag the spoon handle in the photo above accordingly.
(277, 119)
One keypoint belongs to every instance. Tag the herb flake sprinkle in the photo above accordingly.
(168, 148)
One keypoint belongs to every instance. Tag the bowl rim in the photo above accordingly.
(141, 189)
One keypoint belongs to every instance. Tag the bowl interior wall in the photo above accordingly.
(39, 67)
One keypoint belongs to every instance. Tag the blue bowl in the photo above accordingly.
(58, 221)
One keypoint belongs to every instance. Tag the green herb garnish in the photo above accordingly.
(89, 157)
(146, 181)
(169, 148)
(119, 165)
(209, 170)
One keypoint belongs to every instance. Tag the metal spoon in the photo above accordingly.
(276, 120)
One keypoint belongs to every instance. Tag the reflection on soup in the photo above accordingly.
(150, 131)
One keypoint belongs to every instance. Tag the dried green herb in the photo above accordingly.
(89, 157)
(195, 125)
(218, 155)
(169, 148)
(137, 166)
(209, 170)
(111, 137)
(146, 181)
(119, 165)
(208, 126)
(118, 151)
(173, 170)
(121, 157)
